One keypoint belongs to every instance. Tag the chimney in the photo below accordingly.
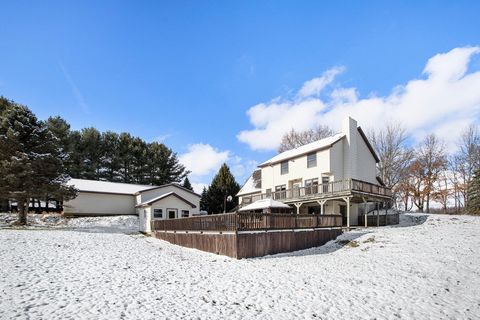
(349, 128)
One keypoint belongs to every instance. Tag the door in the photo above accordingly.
(343, 212)
(172, 213)
(296, 190)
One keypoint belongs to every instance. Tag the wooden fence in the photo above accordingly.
(381, 220)
(247, 222)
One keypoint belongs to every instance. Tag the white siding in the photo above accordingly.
(171, 202)
(336, 161)
(366, 164)
(297, 170)
(100, 204)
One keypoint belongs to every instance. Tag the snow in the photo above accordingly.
(319, 144)
(122, 224)
(248, 187)
(263, 204)
(425, 268)
(160, 197)
(108, 187)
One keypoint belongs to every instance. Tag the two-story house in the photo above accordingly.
(335, 175)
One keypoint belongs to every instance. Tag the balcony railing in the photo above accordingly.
(323, 190)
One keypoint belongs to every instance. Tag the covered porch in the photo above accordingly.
(355, 210)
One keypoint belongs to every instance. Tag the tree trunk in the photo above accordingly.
(22, 213)
(428, 203)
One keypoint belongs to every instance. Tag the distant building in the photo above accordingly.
(101, 198)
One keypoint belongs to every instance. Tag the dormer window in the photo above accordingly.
(311, 160)
(284, 167)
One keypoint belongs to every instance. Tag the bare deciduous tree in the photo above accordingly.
(466, 161)
(395, 158)
(430, 161)
(294, 139)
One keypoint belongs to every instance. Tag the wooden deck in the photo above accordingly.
(245, 235)
(342, 188)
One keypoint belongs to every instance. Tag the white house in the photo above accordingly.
(335, 175)
(101, 198)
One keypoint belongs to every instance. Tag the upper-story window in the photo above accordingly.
(284, 167)
(311, 160)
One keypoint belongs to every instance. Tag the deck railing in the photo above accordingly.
(324, 189)
(247, 222)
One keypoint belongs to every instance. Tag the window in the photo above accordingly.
(281, 192)
(311, 160)
(157, 213)
(172, 213)
(284, 167)
(185, 213)
(269, 193)
(325, 183)
(311, 186)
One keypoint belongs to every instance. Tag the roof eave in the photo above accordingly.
(266, 164)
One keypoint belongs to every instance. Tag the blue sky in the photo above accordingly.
(187, 73)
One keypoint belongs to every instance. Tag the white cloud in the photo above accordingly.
(447, 97)
(316, 85)
(202, 159)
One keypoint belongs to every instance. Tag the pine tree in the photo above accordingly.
(203, 200)
(473, 205)
(187, 184)
(91, 148)
(222, 187)
(31, 165)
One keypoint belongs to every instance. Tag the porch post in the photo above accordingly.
(321, 203)
(347, 200)
(378, 214)
(348, 213)
(298, 205)
(365, 211)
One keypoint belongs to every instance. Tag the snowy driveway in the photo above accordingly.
(426, 271)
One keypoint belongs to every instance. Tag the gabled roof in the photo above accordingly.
(163, 196)
(305, 149)
(168, 185)
(249, 187)
(95, 186)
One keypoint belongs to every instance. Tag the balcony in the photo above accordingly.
(350, 187)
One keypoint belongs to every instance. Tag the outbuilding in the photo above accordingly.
(102, 198)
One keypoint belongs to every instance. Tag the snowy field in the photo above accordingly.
(426, 268)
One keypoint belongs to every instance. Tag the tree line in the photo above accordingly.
(37, 158)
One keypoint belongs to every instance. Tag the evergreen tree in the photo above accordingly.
(110, 159)
(203, 200)
(187, 184)
(473, 205)
(91, 148)
(31, 165)
(163, 165)
(222, 187)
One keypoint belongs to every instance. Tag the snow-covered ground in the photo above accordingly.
(426, 268)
